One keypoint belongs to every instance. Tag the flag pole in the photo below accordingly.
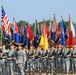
(14, 28)
(22, 27)
(1, 26)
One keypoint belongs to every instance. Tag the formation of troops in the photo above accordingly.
(56, 59)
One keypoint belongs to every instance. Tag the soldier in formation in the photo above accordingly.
(56, 59)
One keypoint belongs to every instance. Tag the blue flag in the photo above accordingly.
(63, 33)
(26, 39)
(18, 35)
(6, 36)
(36, 38)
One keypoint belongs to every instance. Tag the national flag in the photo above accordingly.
(6, 21)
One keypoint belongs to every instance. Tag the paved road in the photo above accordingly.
(45, 74)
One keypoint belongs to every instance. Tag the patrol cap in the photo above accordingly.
(12, 44)
(20, 45)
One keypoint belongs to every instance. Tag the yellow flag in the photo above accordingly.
(41, 41)
(45, 43)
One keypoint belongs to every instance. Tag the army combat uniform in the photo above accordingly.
(1, 67)
(10, 61)
(37, 60)
(66, 63)
(51, 55)
(20, 61)
(30, 59)
(44, 60)
(59, 59)
(4, 61)
(74, 60)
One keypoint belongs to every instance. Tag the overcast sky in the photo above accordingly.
(29, 10)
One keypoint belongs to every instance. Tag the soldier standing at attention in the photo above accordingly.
(59, 58)
(37, 59)
(67, 55)
(44, 59)
(4, 60)
(51, 55)
(74, 60)
(10, 60)
(20, 60)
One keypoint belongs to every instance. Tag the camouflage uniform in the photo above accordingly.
(66, 63)
(51, 55)
(74, 60)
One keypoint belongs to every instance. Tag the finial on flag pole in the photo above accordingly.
(69, 15)
(54, 14)
(2, 4)
(43, 20)
(61, 17)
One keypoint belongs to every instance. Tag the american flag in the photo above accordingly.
(5, 21)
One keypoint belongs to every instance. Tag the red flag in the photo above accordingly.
(30, 33)
(71, 39)
(46, 31)
(71, 33)
(57, 28)
(17, 29)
